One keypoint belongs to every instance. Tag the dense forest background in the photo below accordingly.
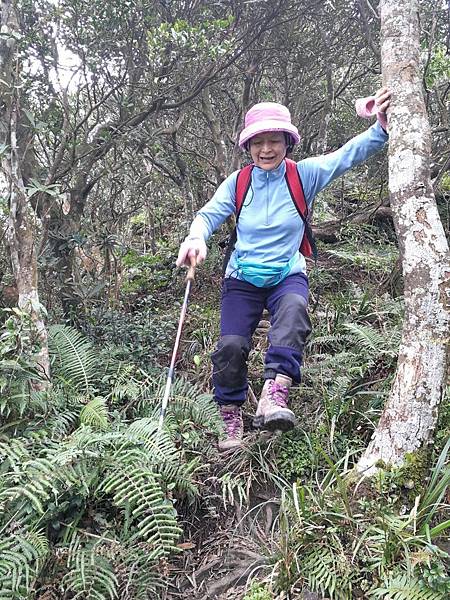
(118, 120)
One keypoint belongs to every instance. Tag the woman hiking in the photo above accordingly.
(266, 269)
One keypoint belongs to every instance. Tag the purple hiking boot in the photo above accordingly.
(234, 427)
(272, 413)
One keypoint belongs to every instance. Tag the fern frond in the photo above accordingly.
(38, 541)
(181, 387)
(404, 587)
(60, 424)
(327, 362)
(37, 486)
(27, 492)
(124, 383)
(187, 403)
(369, 339)
(158, 444)
(395, 337)
(140, 573)
(95, 414)
(371, 257)
(137, 491)
(328, 572)
(21, 557)
(158, 451)
(85, 438)
(75, 360)
(15, 451)
(91, 577)
(332, 340)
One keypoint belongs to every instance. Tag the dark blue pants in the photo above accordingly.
(241, 309)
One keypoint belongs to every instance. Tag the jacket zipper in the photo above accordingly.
(267, 198)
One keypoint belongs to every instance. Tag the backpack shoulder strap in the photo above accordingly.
(295, 187)
(243, 181)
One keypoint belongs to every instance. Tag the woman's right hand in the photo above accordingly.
(190, 248)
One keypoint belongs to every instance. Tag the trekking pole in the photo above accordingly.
(189, 279)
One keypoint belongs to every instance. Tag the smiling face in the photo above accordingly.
(268, 149)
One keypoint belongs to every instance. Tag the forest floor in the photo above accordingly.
(236, 538)
(280, 519)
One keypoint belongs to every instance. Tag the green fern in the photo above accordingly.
(141, 578)
(75, 360)
(135, 573)
(181, 387)
(137, 445)
(158, 445)
(136, 490)
(258, 591)
(161, 453)
(404, 587)
(191, 414)
(95, 414)
(61, 410)
(124, 386)
(90, 576)
(8, 592)
(14, 451)
(27, 490)
(329, 572)
(186, 401)
(37, 486)
(52, 472)
(60, 424)
(21, 557)
(201, 410)
(371, 257)
(319, 363)
(369, 339)
(328, 340)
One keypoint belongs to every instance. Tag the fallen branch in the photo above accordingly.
(329, 231)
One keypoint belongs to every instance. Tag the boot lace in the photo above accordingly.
(232, 420)
(278, 394)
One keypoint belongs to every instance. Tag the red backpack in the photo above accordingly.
(295, 187)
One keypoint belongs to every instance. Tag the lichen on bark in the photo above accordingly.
(410, 414)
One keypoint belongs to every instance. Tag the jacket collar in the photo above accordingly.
(274, 174)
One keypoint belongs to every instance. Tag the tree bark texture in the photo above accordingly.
(410, 415)
(220, 162)
(21, 220)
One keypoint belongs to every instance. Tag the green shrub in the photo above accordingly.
(87, 499)
(258, 591)
(382, 544)
(295, 455)
(143, 335)
(147, 272)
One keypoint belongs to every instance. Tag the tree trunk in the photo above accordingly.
(63, 231)
(321, 143)
(409, 417)
(21, 220)
(220, 162)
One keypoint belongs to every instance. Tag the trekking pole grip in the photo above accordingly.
(191, 271)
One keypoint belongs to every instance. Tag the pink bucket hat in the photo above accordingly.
(267, 116)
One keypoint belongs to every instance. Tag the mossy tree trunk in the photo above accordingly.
(17, 146)
(410, 414)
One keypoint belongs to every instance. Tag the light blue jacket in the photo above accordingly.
(269, 228)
